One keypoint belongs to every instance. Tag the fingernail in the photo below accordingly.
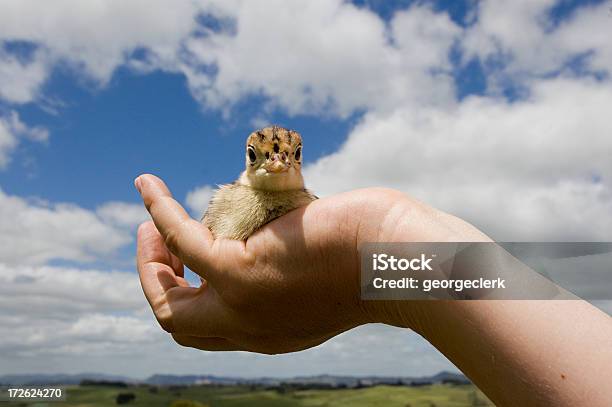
(137, 184)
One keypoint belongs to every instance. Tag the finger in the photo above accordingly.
(182, 282)
(176, 264)
(153, 249)
(210, 344)
(157, 277)
(177, 307)
(200, 312)
(153, 263)
(187, 238)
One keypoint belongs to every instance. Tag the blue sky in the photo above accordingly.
(495, 113)
(103, 137)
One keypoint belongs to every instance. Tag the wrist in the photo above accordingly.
(387, 215)
(395, 217)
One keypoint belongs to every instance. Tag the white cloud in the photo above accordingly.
(35, 232)
(197, 200)
(58, 310)
(589, 31)
(259, 122)
(60, 292)
(515, 29)
(535, 169)
(104, 33)
(521, 41)
(98, 319)
(123, 214)
(308, 63)
(320, 57)
(101, 320)
(36, 133)
(11, 129)
(122, 329)
(20, 81)
(542, 162)
(8, 142)
(327, 57)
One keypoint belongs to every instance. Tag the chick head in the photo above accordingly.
(274, 159)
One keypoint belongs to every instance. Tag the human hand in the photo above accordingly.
(293, 284)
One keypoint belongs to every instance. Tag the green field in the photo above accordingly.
(238, 396)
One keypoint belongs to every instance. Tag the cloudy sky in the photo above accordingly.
(499, 112)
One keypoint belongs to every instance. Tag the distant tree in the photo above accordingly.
(421, 383)
(102, 383)
(187, 403)
(454, 382)
(124, 398)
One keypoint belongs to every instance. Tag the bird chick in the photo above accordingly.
(270, 186)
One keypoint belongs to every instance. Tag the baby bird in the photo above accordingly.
(270, 186)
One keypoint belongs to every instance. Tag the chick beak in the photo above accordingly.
(276, 164)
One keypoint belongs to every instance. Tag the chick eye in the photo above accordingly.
(252, 155)
(298, 153)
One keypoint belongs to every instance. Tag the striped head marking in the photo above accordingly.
(275, 149)
(274, 152)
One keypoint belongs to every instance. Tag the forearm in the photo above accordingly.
(525, 352)
(518, 352)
